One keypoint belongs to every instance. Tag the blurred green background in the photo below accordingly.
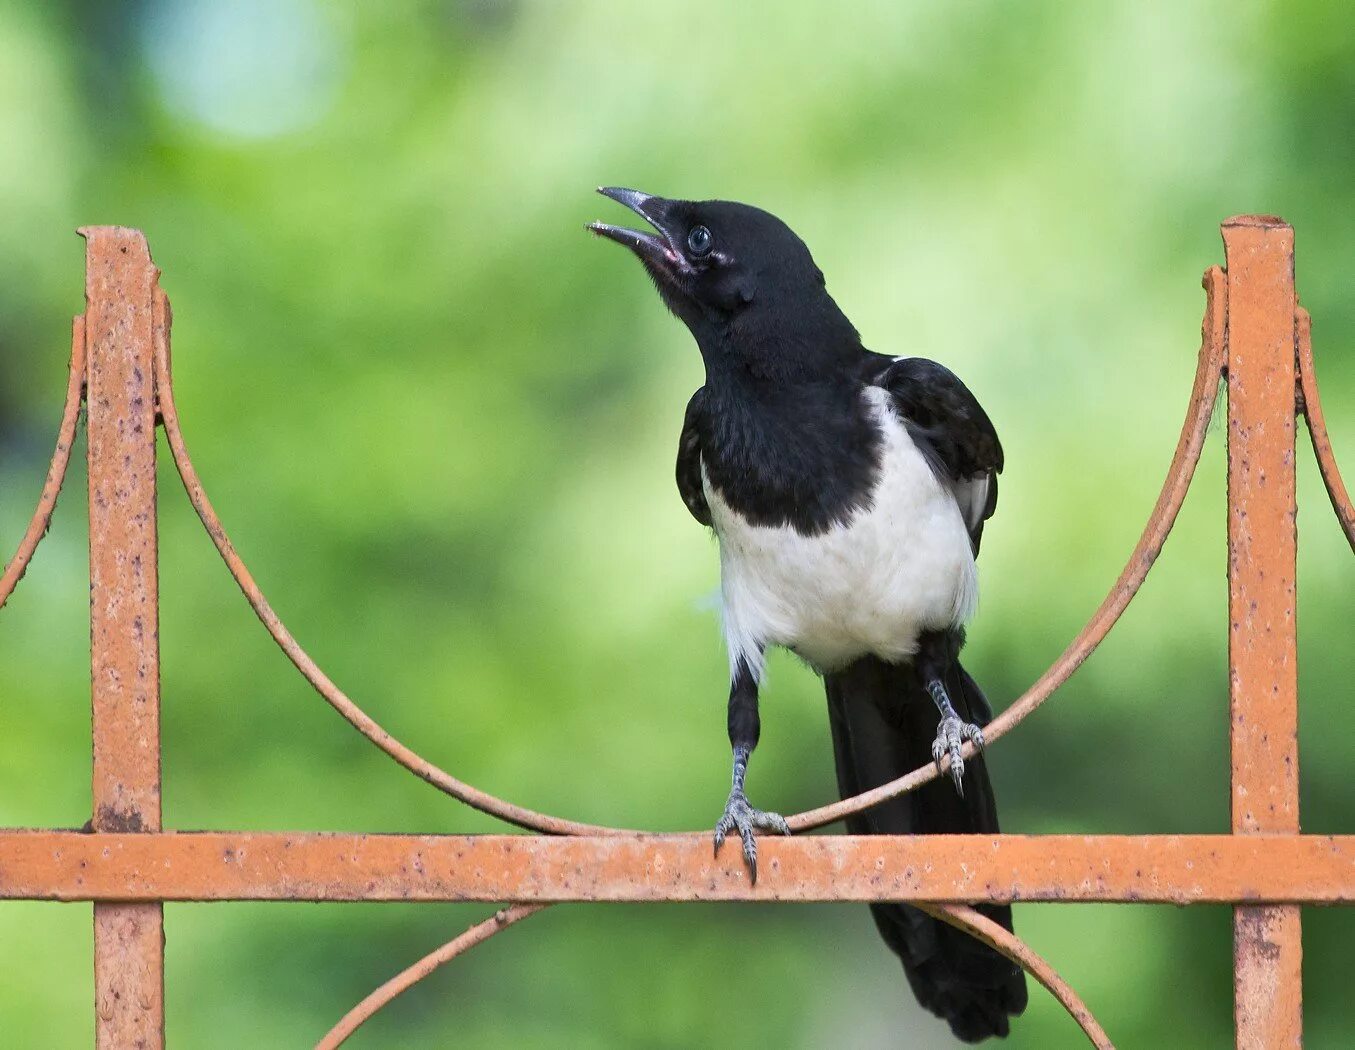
(440, 421)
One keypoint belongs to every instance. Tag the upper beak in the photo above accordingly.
(657, 250)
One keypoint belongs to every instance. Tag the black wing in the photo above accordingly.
(689, 461)
(947, 422)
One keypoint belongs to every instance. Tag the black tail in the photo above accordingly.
(883, 725)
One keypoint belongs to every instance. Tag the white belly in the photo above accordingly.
(867, 587)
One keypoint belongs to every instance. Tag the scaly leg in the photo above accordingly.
(744, 728)
(937, 650)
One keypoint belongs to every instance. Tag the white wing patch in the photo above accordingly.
(870, 585)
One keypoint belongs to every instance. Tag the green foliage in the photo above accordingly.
(439, 422)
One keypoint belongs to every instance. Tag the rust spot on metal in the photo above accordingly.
(1252, 925)
(112, 821)
(1261, 221)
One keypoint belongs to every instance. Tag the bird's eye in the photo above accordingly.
(699, 240)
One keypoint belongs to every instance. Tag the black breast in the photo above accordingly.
(805, 455)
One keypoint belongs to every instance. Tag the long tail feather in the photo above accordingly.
(883, 723)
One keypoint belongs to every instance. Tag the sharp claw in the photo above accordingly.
(950, 737)
(750, 851)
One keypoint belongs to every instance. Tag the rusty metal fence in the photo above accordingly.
(1255, 336)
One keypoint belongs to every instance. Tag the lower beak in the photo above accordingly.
(656, 250)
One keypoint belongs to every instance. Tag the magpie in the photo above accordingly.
(848, 491)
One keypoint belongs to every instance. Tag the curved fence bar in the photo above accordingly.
(337, 699)
(406, 979)
(1191, 442)
(961, 916)
(1317, 431)
(56, 472)
(1208, 374)
(974, 923)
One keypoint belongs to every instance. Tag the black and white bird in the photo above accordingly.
(849, 492)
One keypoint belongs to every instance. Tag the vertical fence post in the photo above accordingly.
(120, 316)
(1262, 649)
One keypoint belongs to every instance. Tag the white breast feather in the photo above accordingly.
(870, 586)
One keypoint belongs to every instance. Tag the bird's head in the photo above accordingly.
(733, 273)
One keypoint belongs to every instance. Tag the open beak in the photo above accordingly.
(659, 251)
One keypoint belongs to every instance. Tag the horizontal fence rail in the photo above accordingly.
(226, 866)
(1254, 336)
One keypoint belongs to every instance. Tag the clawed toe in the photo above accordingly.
(951, 733)
(741, 817)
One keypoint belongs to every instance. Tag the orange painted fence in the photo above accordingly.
(1254, 335)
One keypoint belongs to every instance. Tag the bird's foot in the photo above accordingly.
(740, 816)
(951, 733)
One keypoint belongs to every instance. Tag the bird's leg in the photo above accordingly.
(744, 729)
(951, 733)
(936, 652)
